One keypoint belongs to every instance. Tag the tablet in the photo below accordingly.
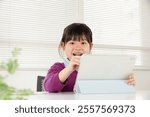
(105, 67)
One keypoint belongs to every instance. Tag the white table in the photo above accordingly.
(139, 95)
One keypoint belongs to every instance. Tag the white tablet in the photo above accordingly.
(106, 67)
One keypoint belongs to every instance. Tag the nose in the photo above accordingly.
(78, 50)
(78, 47)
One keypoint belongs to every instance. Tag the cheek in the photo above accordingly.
(87, 49)
(68, 53)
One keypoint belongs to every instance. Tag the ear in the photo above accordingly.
(62, 45)
(91, 46)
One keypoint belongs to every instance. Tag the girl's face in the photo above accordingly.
(76, 48)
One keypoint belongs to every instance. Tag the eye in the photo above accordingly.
(83, 43)
(71, 43)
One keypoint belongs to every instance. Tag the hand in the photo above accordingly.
(131, 80)
(74, 62)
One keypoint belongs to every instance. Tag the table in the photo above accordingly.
(138, 95)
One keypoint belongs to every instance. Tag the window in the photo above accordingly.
(116, 26)
(36, 27)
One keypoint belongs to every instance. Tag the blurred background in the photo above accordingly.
(36, 26)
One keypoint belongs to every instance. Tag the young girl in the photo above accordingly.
(76, 40)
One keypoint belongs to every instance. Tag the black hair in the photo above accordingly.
(76, 32)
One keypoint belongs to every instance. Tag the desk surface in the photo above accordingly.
(139, 95)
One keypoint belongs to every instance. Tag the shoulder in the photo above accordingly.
(58, 65)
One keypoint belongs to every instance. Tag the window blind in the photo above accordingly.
(116, 26)
(36, 27)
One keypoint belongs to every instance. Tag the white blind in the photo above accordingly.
(36, 27)
(116, 26)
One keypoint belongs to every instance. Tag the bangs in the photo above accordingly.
(77, 32)
(78, 37)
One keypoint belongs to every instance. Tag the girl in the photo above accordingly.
(76, 40)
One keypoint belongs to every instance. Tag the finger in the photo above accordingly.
(132, 82)
(76, 60)
(75, 57)
(76, 63)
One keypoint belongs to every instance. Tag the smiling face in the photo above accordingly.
(76, 40)
(76, 48)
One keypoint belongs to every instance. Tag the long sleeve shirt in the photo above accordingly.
(53, 84)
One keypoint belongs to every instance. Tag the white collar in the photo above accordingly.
(66, 62)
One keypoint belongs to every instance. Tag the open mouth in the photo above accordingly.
(77, 54)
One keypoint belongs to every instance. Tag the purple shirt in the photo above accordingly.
(52, 83)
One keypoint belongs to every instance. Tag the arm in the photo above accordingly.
(51, 82)
(73, 65)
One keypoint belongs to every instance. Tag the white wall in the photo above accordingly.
(145, 21)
